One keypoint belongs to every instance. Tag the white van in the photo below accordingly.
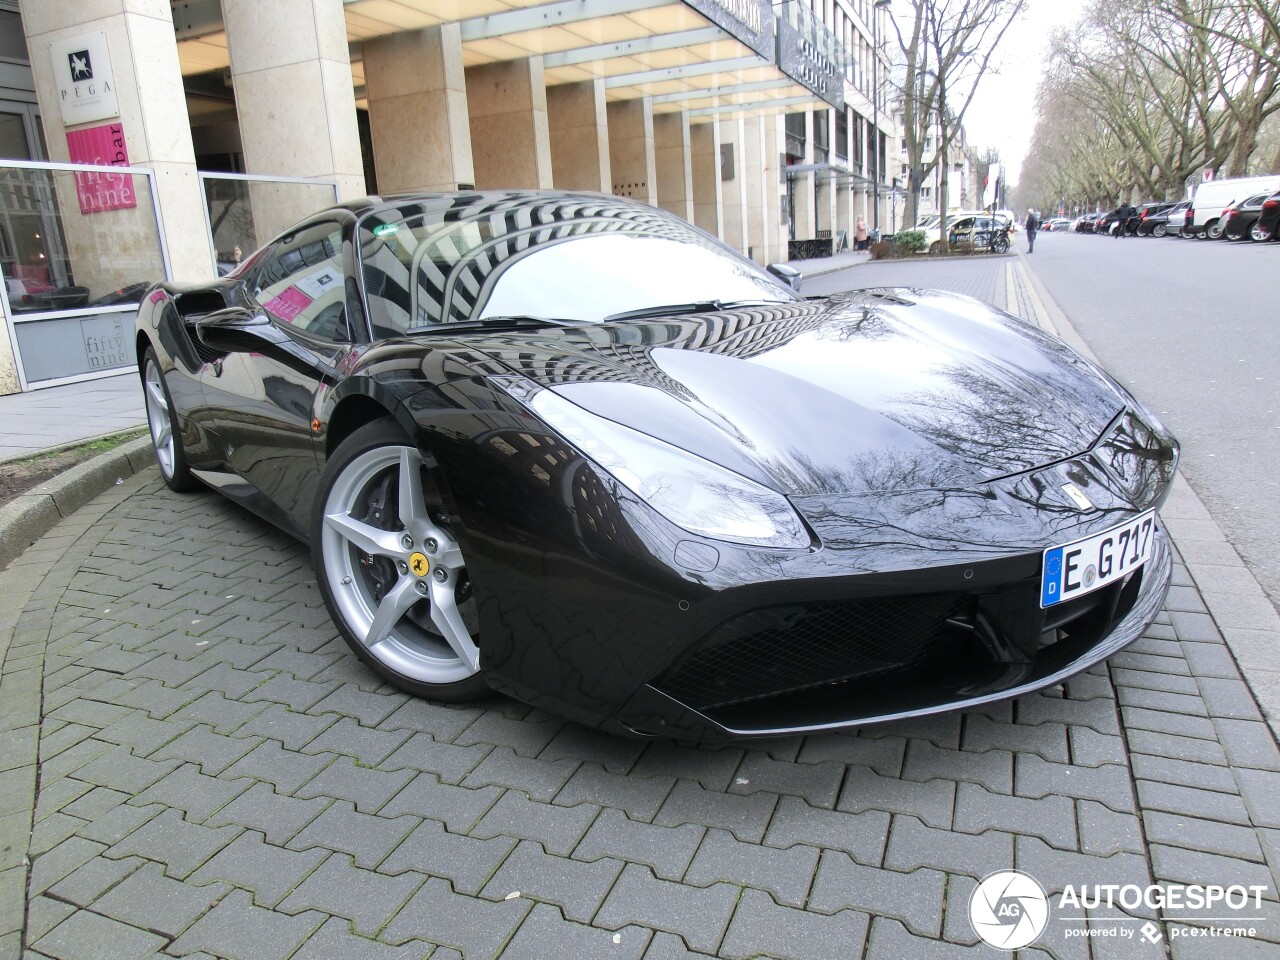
(1215, 196)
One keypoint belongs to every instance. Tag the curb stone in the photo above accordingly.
(29, 516)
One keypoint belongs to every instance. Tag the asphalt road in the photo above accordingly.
(1193, 328)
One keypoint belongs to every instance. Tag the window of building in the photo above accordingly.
(842, 134)
(795, 137)
(821, 135)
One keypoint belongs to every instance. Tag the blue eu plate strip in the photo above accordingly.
(1051, 583)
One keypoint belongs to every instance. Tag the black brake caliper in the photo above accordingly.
(381, 571)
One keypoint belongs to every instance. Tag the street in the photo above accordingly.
(1190, 328)
(210, 772)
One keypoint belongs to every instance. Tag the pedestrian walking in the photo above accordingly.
(1033, 227)
(860, 233)
(1122, 219)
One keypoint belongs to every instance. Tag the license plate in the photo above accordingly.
(1078, 568)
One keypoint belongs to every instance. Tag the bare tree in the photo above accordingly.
(1171, 85)
(950, 47)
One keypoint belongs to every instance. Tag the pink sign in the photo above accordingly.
(288, 304)
(104, 145)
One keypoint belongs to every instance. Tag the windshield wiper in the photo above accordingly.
(697, 306)
(515, 322)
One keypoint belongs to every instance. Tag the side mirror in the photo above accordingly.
(233, 330)
(787, 274)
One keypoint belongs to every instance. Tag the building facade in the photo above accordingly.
(758, 123)
(963, 191)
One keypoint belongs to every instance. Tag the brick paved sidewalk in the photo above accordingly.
(216, 776)
(219, 777)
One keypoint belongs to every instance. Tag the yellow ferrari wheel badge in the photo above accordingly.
(418, 564)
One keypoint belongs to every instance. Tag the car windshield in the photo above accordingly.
(543, 257)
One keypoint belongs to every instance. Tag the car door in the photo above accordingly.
(264, 391)
(962, 233)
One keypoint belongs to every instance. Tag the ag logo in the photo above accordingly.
(1009, 910)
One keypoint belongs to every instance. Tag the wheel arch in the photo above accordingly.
(141, 343)
(350, 414)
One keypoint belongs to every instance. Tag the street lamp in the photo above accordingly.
(877, 6)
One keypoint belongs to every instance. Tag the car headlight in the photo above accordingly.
(693, 493)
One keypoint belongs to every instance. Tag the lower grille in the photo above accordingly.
(778, 650)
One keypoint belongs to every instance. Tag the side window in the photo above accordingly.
(301, 282)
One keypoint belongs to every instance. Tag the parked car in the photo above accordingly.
(933, 231)
(1239, 218)
(1204, 218)
(1157, 224)
(570, 447)
(1084, 223)
(980, 233)
(1059, 224)
(1104, 221)
(1146, 211)
(1268, 221)
(1176, 219)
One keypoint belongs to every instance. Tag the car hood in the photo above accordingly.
(873, 391)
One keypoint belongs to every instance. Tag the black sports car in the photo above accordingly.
(572, 448)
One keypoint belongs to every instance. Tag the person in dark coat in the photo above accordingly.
(1033, 226)
(1123, 216)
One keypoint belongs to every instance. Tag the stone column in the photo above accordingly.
(802, 186)
(752, 168)
(631, 158)
(704, 144)
(673, 163)
(418, 110)
(157, 134)
(845, 211)
(774, 146)
(578, 127)
(733, 186)
(295, 101)
(510, 143)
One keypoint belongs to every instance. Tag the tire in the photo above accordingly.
(1000, 244)
(1213, 230)
(391, 571)
(162, 422)
(935, 248)
(1259, 234)
(1159, 230)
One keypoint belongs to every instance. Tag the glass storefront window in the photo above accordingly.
(78, 248)
(13, 136)
(246, 212)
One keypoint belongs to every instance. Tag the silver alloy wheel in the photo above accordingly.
(158, 418)
(1213, 230)
(1259, 234)
(415, 625)
(1159, 230)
